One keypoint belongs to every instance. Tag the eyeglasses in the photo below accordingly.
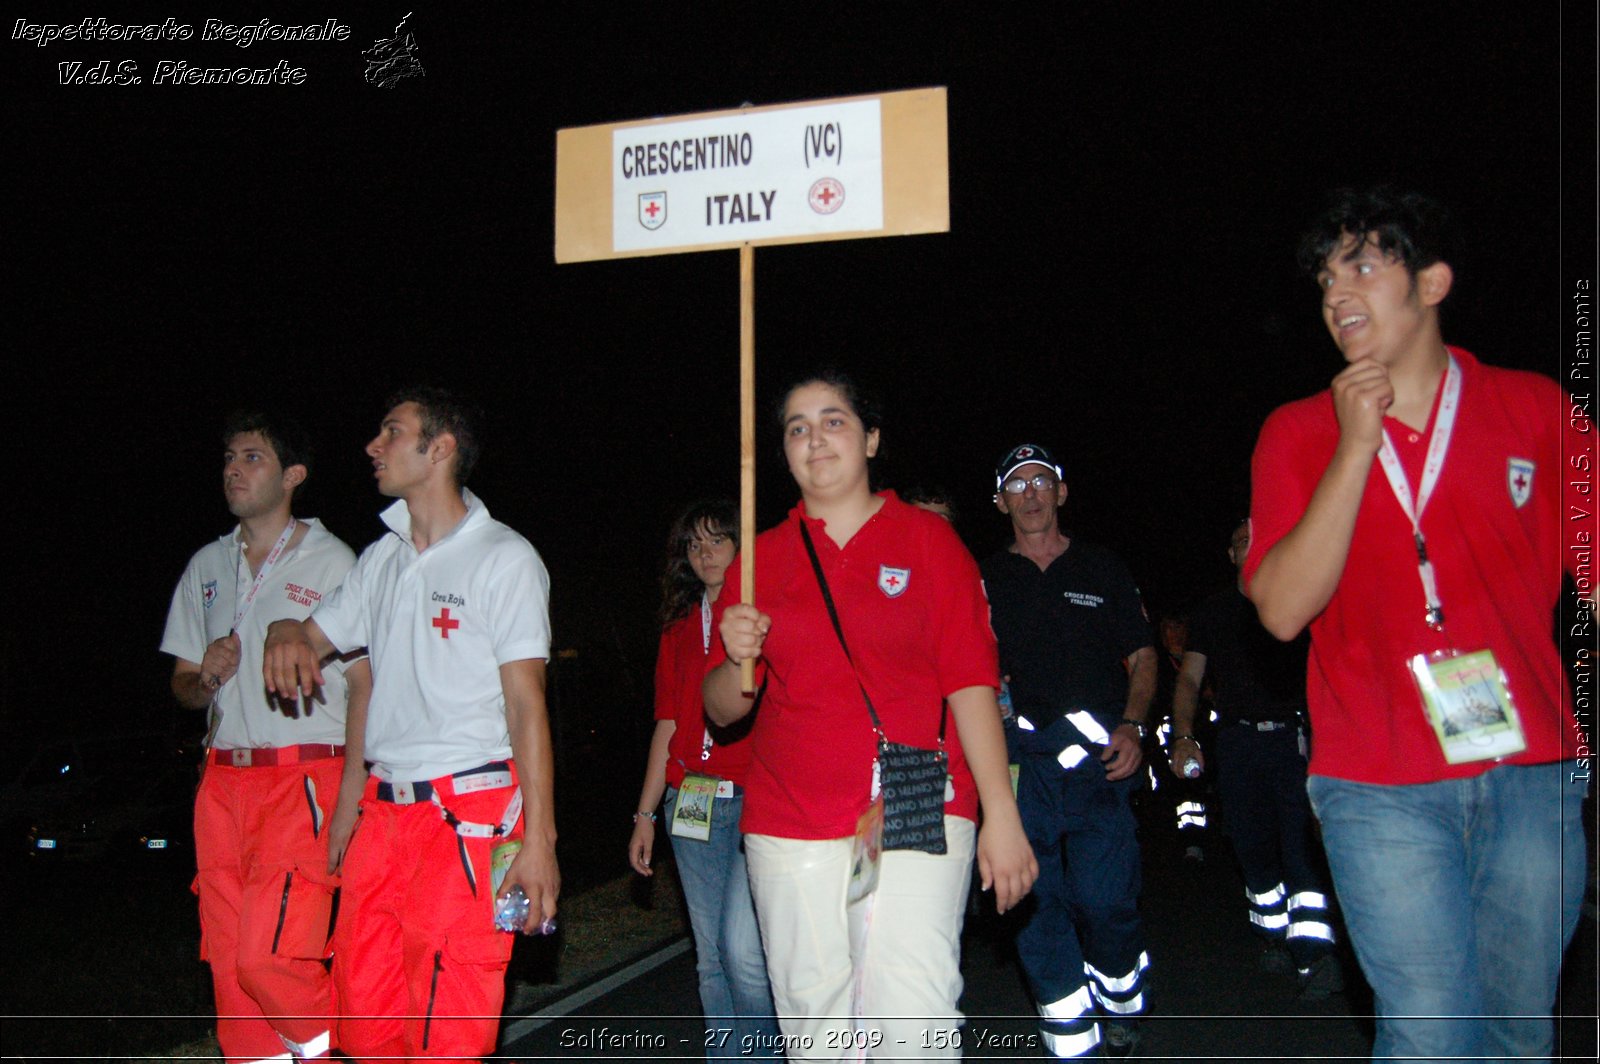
(1042, 483)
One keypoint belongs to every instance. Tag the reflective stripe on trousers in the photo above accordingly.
(1068, 1026)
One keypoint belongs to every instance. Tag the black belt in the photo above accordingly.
(422, 790)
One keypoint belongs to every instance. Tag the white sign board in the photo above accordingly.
(809, 171)
(858, 166)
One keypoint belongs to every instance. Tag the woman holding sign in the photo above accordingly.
(701, 772)
(871, 634)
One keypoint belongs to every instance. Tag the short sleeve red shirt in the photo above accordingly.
(1493, 528)
(913, 610)
(680, 671)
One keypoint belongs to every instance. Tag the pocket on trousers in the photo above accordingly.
(1313, 787)
(489, 948)
(305, 909)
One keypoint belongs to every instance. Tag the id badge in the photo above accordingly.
(1468, 704)
(501, 854)
(691, 816)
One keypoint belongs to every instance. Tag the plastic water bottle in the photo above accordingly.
(511, 912)
(1191, 768)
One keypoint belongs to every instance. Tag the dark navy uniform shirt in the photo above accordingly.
(1066, 633)
(1255, 676)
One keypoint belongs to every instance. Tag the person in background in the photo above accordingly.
(933, 499)
(1260, 769)
(1076, 651)
(1186, 796)
(701, 768)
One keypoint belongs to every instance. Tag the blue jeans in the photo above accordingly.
(734, 993)
(1460, 898)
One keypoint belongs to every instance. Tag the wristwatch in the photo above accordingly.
(1138, 726)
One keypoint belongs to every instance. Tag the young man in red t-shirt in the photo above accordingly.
(1411, 517)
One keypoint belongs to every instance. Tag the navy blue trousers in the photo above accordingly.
(1261, 779)
(1083, 940)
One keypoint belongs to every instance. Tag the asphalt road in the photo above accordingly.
(1209, 1000)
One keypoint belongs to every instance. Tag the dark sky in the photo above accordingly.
(1127, 183)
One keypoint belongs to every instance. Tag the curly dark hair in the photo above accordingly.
(680, 588)
(1413, 228)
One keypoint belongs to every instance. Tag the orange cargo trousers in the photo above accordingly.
(418, 963)
(261, 849)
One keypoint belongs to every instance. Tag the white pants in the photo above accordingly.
(879, 978)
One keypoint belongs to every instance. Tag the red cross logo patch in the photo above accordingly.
(445, 623)
(652, 210)
(893, 582)
(826, 196)
(1519, 480)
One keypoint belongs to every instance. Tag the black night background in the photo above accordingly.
(1127, 186)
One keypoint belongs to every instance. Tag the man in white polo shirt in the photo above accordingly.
(454, 607)
(267, 838)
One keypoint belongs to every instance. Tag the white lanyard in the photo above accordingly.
(705, 642)
(261, 574)
(213, 710)
(1438, 445)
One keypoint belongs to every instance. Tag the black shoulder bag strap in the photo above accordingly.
(833, 615)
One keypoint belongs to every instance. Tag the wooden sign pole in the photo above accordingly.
(747, 441)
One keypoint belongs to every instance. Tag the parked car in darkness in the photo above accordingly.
(101, 799)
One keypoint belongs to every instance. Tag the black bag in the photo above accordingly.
(911, 779)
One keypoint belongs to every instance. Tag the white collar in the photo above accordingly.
(398, 517)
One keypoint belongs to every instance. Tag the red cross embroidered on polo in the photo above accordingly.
(445, 623)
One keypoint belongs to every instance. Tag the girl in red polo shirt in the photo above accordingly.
(880, 975)
(700, 770)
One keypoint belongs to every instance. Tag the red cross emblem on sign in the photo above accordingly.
(826, 195)
(653, 209)
(445, 623)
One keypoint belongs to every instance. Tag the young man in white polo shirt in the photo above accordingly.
(454, 607)
(267, 838)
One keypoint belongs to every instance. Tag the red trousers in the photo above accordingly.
(419, 965)
(265, 900)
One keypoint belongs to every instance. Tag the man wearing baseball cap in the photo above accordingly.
(1076, 652)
